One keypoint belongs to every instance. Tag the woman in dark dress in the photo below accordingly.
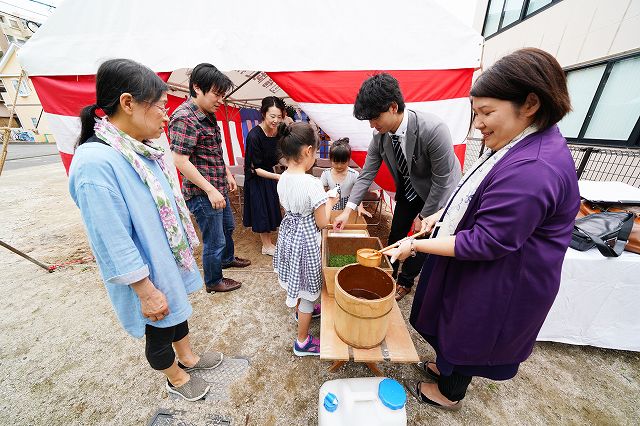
(261, 205)
(497, 247)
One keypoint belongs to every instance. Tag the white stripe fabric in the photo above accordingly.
(337, 120)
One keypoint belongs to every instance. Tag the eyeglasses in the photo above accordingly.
(165, 111)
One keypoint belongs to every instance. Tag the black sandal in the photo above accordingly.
(423, 367)
(416, 391)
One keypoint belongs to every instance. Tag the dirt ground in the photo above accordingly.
(65, 360)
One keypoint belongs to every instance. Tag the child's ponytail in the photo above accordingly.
(340, 151)
(292, 138)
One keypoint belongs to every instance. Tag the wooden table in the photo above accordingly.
(396, 347)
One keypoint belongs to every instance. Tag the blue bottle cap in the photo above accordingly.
(331, 402)
(392, 394)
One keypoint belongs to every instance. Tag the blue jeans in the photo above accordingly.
(216, 226)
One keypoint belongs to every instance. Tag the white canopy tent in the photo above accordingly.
(317, 52)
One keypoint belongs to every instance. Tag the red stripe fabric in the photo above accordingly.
(66, 160)
(341, 87)
(68, 94)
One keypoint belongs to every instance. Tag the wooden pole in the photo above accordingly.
(31, 259)
(6, 131)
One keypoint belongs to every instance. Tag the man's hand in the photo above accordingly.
(341, 220)
(363, 212)
(417, 225)
(216, 199)
(231, 183)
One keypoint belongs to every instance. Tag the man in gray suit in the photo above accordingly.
(417, 149)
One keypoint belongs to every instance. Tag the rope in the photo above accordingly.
(85, 259)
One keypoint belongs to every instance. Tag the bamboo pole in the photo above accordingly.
(6, 131)
(29, 258)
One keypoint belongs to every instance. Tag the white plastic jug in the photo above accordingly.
(370, 401)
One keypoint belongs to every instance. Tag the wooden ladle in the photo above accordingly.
(366, 257)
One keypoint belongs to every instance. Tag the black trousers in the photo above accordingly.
(403, 216)
(158, 346)
(454, 387)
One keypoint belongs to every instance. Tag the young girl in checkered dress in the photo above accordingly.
(297, 256)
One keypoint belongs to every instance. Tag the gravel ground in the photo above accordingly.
(65, 360)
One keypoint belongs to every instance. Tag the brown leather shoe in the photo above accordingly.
(238, 262)
(227, 284)
(401, 292)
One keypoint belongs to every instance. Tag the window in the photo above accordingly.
(582, 85)
(535, 5)
(10, 39)
(24, 89)
(2, 19)
(502, 14)
(14, 24)
(606, 103)
(35, 122)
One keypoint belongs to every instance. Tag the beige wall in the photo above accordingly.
(574, 31)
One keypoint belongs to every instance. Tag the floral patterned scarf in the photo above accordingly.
(461, 197)
(130, 149)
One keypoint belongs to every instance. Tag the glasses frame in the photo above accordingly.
(164, 110)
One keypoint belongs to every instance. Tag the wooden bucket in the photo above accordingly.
(359, 322)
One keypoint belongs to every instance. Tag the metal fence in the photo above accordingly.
(607, 164)
(592, 163)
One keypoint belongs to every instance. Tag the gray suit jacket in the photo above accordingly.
(434, 169)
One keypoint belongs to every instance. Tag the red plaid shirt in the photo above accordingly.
(196, 134)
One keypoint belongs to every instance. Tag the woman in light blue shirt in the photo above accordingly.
(137, 221)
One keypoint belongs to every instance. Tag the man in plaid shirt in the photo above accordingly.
(197, 152)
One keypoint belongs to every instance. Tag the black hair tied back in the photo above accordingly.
(283, 130)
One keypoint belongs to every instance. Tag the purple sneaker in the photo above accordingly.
(311, 347)
(317, 311)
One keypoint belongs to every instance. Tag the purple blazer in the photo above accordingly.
(485, 306)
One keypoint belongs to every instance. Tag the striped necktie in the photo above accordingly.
(409, 193)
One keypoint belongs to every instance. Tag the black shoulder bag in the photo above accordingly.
(607, 231)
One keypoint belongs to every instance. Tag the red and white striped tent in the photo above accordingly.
(318, 53)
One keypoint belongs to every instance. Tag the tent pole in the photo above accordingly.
(7, 130)
(19, 253)
(243, 83)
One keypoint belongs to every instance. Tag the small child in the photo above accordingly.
(340, 175)
(307, 206)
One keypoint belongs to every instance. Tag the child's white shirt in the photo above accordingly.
(300, 193)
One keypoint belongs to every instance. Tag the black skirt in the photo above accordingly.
(261, 205)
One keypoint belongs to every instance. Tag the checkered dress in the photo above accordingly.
(297, 256)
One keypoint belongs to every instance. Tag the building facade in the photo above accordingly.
(596, 42)
(29, 120)
(13, 30)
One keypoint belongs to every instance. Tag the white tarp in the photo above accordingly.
(252, 35)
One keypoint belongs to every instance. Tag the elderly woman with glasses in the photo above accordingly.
(137, 221)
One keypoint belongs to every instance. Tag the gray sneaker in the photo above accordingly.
(195, 389)
(208, 361)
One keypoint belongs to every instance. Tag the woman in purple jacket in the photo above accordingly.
(498, 245)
